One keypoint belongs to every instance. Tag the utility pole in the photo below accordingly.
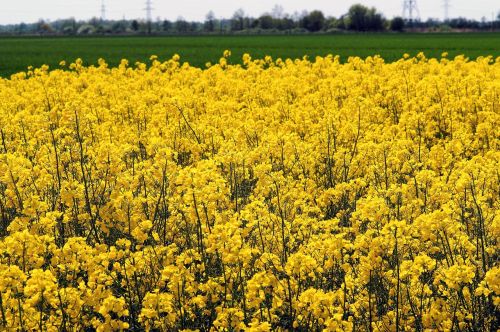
(103, 11)
(149, 14)
(410, 11)
(446, 5)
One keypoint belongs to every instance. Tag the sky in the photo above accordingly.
(16, 11)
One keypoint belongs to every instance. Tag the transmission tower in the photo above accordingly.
(103, 11)
(446, 5)
(149, 14)
(149, 10)
(410, 10)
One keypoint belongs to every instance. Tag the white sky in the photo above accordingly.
(15, 11)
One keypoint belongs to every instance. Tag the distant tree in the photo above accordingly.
(119, 26)
(181, 25)
(431, 22)
(362, 18)
(342, 22)
(278, 12)
(460, 23)
(209, 22)
(298, 16)
(95, 21)
(195, 26)
(314, 21)
(248, 22)
(224, 25)
(44, 27)
(266, 22)
(238, 20)
(375, 20)
(285, 23)
(397, 24)
(166, 25)
(357, 17)
(134, 25)
(102, 28)
(23, 27)
(331, 23)
(65, 26)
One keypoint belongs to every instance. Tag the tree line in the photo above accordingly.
(358, 18)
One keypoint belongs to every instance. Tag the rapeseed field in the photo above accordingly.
(274, 194)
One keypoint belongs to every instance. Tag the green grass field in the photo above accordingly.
(16, 54)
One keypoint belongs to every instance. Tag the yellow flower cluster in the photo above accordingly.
(268, 195)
